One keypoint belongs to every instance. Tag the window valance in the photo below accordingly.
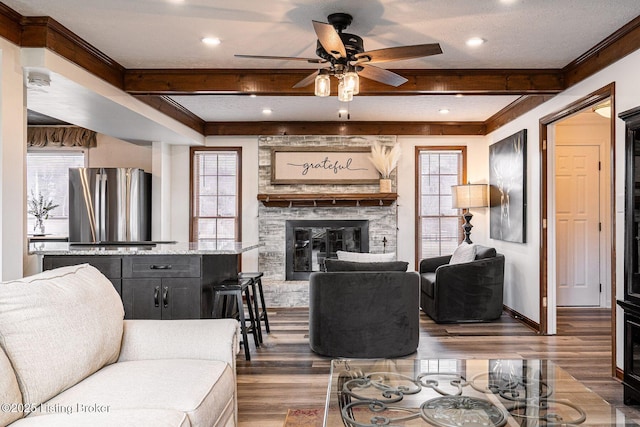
(60, 136)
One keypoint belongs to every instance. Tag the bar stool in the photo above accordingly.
(260, 315)
(235, 288)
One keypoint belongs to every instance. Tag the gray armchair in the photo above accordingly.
(466, 292)
(364, 314)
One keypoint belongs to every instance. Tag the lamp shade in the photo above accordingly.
(469, 196)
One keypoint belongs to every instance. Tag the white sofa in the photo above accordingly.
(67, 358)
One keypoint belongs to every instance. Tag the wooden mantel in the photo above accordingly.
(327, 199)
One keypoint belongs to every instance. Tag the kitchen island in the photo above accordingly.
(155, 281)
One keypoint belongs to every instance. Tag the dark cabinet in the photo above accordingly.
(159, 286)
(165, 298)
(631, 302)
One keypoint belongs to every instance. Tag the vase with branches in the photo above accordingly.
(385, 160)
(40, 207)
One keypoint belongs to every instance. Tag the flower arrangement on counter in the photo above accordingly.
(40, 208)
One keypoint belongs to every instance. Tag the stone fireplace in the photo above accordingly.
(380, 234)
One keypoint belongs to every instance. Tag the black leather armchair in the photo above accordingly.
(466, 292)
(364, 314)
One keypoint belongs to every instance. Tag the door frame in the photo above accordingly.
(575, 107)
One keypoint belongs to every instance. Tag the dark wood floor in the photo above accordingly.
(284, 373)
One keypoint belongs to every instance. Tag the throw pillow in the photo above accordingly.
(463, 253)
(333, 265)
(364, 256)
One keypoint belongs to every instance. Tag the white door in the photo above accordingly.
(578, 225)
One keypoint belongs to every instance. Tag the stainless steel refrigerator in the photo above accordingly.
(109, 205)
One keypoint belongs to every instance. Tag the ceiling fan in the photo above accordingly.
(347, 60)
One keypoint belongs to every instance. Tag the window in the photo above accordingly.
(215, 195)
(438, 229)
(48, 174)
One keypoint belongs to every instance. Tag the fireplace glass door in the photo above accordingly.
(309, 243)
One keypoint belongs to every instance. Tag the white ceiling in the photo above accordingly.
(166, 34)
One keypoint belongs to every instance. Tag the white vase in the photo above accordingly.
(385, 185)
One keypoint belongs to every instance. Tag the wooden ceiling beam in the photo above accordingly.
(514, 110)
(10, 27)
(536, 86)
(168, 106)
(49, 33)
(618, 45)
(344, 128)
(280, 82)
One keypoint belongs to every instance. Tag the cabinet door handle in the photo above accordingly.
(160, 267)
(165, 296)
(156, 294)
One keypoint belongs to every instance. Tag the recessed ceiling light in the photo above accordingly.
(267, 111)
(443, 111)
(475, 41)
(253, 95)
(342, 111)
(213, 41)
(459, 95)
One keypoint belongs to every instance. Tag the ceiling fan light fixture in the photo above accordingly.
(323, 84)
(351, 81)
(344, 94)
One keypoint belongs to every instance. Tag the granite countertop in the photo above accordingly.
(169, 248)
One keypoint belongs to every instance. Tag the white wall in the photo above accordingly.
(112, 152)
(522, 276)
(13, 131)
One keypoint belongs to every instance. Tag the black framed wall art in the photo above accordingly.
(508, 184)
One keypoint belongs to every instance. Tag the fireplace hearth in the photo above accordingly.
(310, 242)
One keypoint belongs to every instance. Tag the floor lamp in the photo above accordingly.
(467, 196)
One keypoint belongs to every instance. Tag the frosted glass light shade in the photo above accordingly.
(469, 196)
(344, 94)
(352, 82)
(323, 85)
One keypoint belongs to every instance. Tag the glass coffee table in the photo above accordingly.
(454, 393)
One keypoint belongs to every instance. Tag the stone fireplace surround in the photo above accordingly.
(280, 292)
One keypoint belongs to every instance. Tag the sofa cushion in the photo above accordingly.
(483, 252)
(121, 418)
(463, 253)
(364, 256)
(9, 391)
(58, 327)
(202, 389)
(339, 265)
(427, 281)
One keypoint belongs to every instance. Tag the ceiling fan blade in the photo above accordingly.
(381, 75)
(311, 78)
(398, 53)
(284, 58)
(330, 39)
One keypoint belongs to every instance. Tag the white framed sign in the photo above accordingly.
(322, 165)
